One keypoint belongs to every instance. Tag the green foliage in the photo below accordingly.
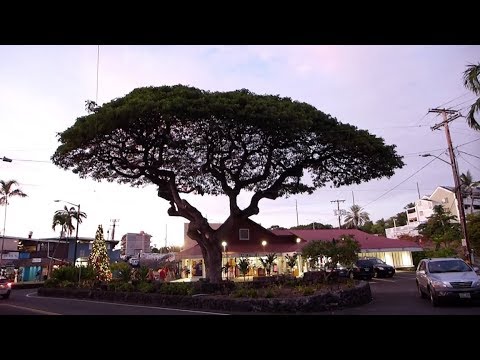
(356, 217)
(473, 229)
(65, 273)
(441, 228)
(441, 252)
(142, 273)
(176, 289)
(145, 287)
(99, 259)
(66, 284)
(7, 191)
(471, 80)
(51, 283)
(313, 226)
(338, 251)
(244, 266)
(291, 260)
(64, 218)
(417, 256)
(122, 271)
(88, 273)
(125, 287)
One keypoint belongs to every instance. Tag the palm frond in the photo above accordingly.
(471, 78)
(471, 120)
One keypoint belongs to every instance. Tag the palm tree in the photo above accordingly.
(7, 191)
(467, 186)
(65, 218)
(472, 83)
(356, 217)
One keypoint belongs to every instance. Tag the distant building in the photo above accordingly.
(416, 215)
(31, 256)
(423, 209)
(133, 244)
(445, 195)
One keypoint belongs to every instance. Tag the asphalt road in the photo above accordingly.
(393, 296)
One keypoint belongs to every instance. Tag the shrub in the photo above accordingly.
(51, 283)
(121, 271)
(127, 287)
(65, 273)
(66, 284)
(145, 287)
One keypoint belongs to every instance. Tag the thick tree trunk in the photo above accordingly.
(212, 255)
(204, 235)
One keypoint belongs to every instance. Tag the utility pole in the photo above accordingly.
(456, 177)
(338, 212)
(296, 209)
(418, 191)
(114, 222)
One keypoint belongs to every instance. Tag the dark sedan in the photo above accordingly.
(362, 269)
(381, 268)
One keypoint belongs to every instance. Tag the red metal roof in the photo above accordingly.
(368, 242)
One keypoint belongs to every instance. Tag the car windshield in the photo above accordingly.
(448, 266)
(378, 261)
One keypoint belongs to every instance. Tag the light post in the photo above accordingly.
(458, 194)
(224, 244)
(76, 231)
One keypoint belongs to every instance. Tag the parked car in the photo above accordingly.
(362, 269)
(5, 287)
(381, 268)
(447, 278)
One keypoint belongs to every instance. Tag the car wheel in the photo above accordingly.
(420, 292)
(433, 297)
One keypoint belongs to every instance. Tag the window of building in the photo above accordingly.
(82, 252)
(445, 200)
(421, 213)
(244, 234)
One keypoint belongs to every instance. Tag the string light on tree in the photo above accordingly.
(99, 259)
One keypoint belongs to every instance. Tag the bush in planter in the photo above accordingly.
(65, 273)
(145, 287)
(51, 283)
(127, 287)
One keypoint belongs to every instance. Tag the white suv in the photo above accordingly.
(5, 288)
(447, 278)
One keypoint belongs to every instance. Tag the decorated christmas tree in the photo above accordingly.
(98, 258)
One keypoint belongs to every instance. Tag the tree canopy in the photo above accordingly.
(186, 140)
(441, 227)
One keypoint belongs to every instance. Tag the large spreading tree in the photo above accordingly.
(186, 140)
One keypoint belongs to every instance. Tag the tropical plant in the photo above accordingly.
(472, 83)
(441, 227)
(243, 266)
(468, 186)
(8, 191)
(122, 271)
(473, 230)
(356, 217)
(270, 259)
(338, 251)
(64, 218)
(291, 260)
(186, 140)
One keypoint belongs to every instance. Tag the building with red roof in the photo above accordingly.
(247, 239)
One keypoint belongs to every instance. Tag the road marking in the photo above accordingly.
(34, 295)
(379, 279)
(31, 309)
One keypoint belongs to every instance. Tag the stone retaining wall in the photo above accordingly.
(358, 295)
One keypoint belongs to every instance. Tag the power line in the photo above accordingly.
(468, 162)
(408, 178)
(467, 143)
(458, 97)
(475, 156)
